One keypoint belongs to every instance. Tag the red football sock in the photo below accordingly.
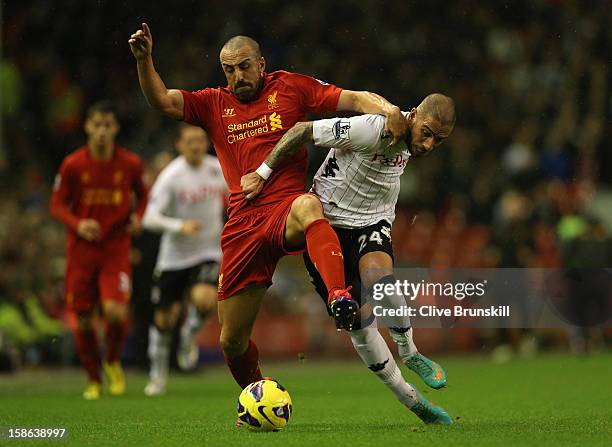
(87, 348)
(325, 252)
(115, 334)
(245, 367)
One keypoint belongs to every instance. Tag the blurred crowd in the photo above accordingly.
(524, 181)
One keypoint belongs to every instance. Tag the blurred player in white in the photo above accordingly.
(358, 185)
(187, 204)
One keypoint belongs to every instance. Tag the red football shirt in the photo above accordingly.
(100, 190)
(244, 133)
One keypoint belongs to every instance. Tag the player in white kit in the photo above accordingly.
(187, 204)
(358, 185)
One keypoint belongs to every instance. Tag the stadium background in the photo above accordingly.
(524, 181)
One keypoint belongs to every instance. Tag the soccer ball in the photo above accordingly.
(265, 406)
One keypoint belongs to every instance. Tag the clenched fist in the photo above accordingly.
(89, 229)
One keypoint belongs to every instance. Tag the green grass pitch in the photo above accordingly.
(553, 400)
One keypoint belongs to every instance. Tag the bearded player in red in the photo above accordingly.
(92, 196)
(245, 120)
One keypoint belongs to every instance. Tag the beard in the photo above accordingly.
(408, 140)
(415, 152)
(247, 94)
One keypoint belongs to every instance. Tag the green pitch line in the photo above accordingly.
(549, 401)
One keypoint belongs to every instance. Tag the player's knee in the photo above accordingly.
(233, 345)
(114, 317)
(204, 297)
(85, 322)
(115, 312)
(375, 268)
(307, 209)
(161, 320)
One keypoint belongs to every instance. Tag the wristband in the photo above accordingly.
(264, 171)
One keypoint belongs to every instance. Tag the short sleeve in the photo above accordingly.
(317, 96)
(361, 133)
(198, 107)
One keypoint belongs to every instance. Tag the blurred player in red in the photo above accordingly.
(93, 197)
(245, 120)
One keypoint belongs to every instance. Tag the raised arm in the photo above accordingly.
(168, 101)
(367, 102)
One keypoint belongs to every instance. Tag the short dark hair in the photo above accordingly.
(239, 41)
(103, 106)
(440, 107)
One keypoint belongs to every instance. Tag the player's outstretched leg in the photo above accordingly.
(237, 315)
(202, 303)
(306, 221)
(89, 355)
(115, 314)
(375, 353)
(399, 326)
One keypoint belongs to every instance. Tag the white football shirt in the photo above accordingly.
(359, 181)
(184, 192)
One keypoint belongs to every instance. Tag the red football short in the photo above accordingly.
(92, 279)
(252, 245)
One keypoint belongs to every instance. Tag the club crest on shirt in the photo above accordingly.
(341, 130)
(272, 103)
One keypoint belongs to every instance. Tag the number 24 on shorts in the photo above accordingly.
(374, 237)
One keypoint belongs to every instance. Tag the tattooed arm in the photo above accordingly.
(289, 144)
(253, 182)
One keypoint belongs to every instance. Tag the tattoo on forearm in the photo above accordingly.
(289, 144)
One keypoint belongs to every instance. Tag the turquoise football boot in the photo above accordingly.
(430, 413)
(428, 370)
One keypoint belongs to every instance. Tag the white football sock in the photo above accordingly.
(375, 353)
(405, 344)
(159, 353)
